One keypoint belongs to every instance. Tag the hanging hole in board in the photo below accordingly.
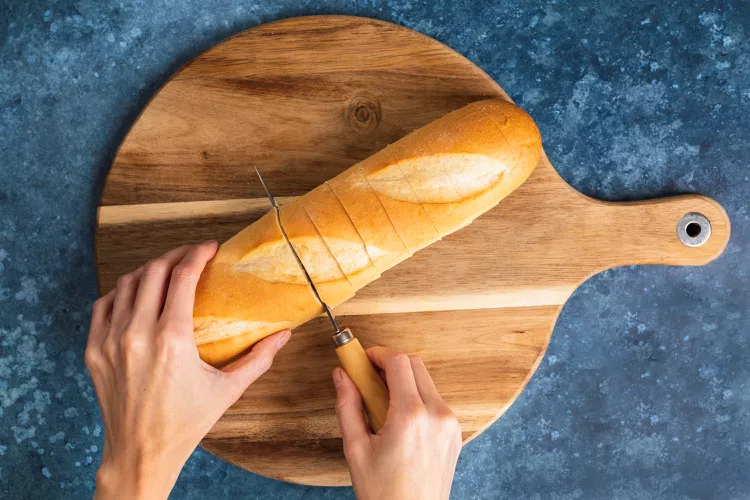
(693, 229)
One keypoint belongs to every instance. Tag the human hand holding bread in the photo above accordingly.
(159, 398)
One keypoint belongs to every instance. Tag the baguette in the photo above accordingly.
(360, 224)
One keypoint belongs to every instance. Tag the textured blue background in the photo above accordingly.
(645, 390)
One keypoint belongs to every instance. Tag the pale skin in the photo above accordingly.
(158, 398)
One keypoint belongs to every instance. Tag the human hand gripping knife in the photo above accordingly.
(359, 224)
(351, 354)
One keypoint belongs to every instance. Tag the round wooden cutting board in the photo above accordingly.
(304, 99)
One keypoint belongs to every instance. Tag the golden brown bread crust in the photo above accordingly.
(235, 301)
(340, 235)
(331, 283)
(492, 132)
(362, 205)
(361, 223)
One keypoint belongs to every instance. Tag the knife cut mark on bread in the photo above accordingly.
(394, 182)
(340, 235)
(367, 213)
(374, 252)
(273, 262)
(409, 218)
(361, 223)
(330, 281)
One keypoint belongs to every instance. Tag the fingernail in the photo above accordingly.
(337, 379)
(284, 338)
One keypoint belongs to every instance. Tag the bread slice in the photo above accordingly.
(340, 235)
(324, 271)
(425, 186)
(384, 247)
(409, 217)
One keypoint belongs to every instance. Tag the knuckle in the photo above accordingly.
(459, 433)
(131, 344)
(91, 358)
(125, 281)
(416, 413)
(154, 267)
(343, 403)
(97, 305)
(264, 363)
(183, 273)
(448, 419)
(449, 424)
(261, 364)
(447, 415)
(416, 360)
(400, 359)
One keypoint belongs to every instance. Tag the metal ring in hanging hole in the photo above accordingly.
(693, 229)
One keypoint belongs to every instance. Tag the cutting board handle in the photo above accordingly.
(660, 231)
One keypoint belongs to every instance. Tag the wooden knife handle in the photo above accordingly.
(360, 369)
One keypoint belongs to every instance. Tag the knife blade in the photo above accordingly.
(327, 309)
(350, 352)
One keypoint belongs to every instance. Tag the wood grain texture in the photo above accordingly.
(305, 99)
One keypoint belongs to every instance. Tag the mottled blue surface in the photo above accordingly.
(645, 390)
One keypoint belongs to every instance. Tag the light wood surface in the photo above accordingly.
(305, 99)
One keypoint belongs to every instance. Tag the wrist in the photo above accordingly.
(135, 479)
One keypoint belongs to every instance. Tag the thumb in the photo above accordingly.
(257, 362)
(349, 410)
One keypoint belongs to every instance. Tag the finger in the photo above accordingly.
(100, 316)
(425, 385)
(184, 280)
(398, 376)
(257, 362)
(349, 410)
(122, 309)
(153, 285)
